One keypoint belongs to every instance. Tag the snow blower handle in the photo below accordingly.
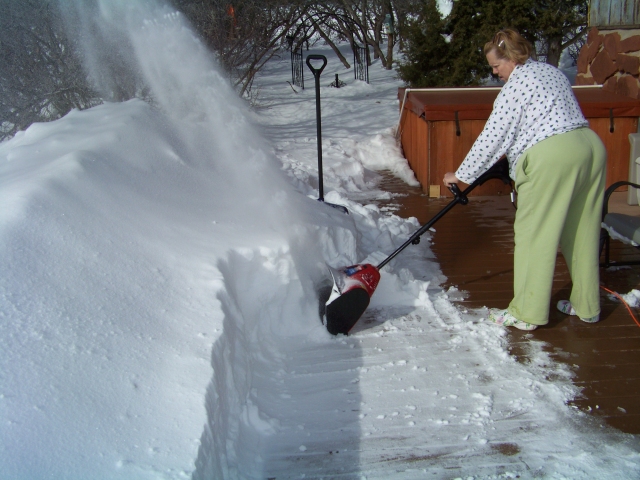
(458, 197)
(500, 171)
(354, 285)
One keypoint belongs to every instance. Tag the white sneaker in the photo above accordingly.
(504, 318)
(565, 307)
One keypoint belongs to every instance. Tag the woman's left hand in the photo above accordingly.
(450, 178)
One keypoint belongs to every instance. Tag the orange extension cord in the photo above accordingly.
(625, 303)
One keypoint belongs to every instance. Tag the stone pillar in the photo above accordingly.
(611, 58)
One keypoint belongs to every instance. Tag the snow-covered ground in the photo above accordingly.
(159, 298)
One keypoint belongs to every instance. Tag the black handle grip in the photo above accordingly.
(462, 198)
(316, 71)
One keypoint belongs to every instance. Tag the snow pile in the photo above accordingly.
(618, 236)
(161, 268)
(632, 298)
(115, 223)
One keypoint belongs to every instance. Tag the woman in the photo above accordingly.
(558, 165)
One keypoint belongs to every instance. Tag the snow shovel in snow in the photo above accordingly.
(354, 285)
(316, 74)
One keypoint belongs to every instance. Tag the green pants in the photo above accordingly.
(560, 185)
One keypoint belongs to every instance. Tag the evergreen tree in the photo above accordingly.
(469, 26)
(560, 24)
(426, 61)
(472, 23)
(549, 26)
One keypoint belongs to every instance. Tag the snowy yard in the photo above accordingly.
(159, 299)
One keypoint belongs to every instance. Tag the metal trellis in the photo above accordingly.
(360, 65)
(297, 68)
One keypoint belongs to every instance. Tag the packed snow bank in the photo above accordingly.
(126, 254)
(114, 222)
(133, 240)
(110, 243)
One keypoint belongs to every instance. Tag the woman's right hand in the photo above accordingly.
(450, 178)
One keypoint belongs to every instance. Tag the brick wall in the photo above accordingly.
(611, 58)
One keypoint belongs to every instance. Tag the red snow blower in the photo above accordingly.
(354, 285)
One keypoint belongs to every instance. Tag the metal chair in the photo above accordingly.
(618, 226)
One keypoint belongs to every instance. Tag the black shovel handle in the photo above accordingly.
(316, 71)
(500, 170)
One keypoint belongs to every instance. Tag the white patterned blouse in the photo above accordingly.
(537, 102)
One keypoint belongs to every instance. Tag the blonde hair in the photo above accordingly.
(509, 44)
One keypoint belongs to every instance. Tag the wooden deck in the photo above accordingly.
(474, 246)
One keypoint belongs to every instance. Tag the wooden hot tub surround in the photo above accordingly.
(438, 126)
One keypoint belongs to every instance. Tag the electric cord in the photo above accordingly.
(616, 294)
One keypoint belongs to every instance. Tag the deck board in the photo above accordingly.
(474, 246)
